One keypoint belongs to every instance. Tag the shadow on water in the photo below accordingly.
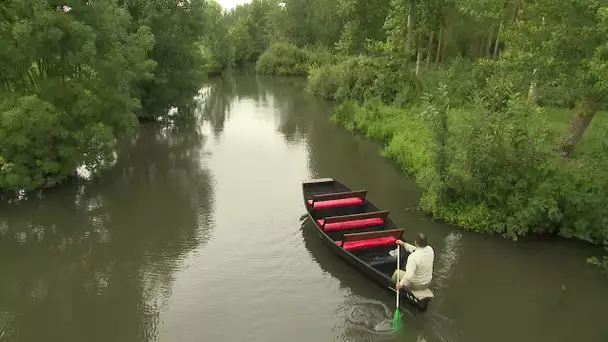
(94, 261)
(368, 309)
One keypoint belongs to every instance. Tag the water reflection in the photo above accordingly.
(285, 96)
(217, 103)
(94, 261)
(294, 105)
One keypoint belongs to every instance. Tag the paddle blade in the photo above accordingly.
(397, 320)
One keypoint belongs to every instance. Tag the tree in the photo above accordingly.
(178, 28)
(67, 88)
(565, 43)
(363, 20)
(215, 42)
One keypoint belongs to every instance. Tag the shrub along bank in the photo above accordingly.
(289, 60)
(493, 171)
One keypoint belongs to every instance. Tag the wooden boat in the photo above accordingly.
(360, 233)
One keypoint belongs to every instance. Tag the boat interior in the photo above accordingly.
(352, 222)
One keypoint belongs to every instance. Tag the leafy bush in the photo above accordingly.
(319, 56)
(502, 176)
(323, 81)
(363, 78)
(68, 94)
(283, 59)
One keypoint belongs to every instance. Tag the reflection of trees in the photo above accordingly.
(217, 103)
(302, 116)
(294, 103)
(94, 262)
(285, 94)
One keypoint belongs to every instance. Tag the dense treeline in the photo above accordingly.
(74, 78)
(488, 104)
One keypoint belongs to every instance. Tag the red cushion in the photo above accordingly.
(336, 203)
(369, 243)
(376, 221)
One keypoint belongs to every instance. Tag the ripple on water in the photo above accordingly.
(369, 316)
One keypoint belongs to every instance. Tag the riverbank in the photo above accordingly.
(521, 191)
(486, 161)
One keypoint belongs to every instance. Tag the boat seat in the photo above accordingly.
(337, 199)
(376, 221)
(361, 220)
(343, 202)
(368, 243)
(370, 239)
(422, 294)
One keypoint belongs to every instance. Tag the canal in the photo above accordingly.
(198, 233)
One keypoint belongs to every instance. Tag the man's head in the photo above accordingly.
(420, 240)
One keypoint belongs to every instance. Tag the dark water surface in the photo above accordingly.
(198, 234)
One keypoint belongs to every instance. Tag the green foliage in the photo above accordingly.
(239, 35)
(306, 22)
(180, 70)
(406, 135)
(495, 171)
(558, 38)
(250, 29)
(601, 261)
(458, 119)
(283, 59)
(72, 83)
(70, 89)
(362, 78)
(286, 59)
(323, 81)
(215, 45)
(502, 178)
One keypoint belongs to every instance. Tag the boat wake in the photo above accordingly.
(374, 317)
(370, 316)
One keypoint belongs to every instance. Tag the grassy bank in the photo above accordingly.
(501, 179)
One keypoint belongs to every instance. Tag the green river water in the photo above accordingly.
(198, 233)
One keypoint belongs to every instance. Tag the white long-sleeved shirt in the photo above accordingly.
(419, 266)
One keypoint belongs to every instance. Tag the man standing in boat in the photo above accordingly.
(419, 268)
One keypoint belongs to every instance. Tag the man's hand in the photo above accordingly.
(398, 286)
(401, 243)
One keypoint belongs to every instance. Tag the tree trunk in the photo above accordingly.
(445, 43)
(497, 41)
(480, 51)
(430, 50)
(489, 42)
(419, 56)
(471, 49)
(583, 115)
(438, 47)
(517, 11)
(411, 22)
(533, 92)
